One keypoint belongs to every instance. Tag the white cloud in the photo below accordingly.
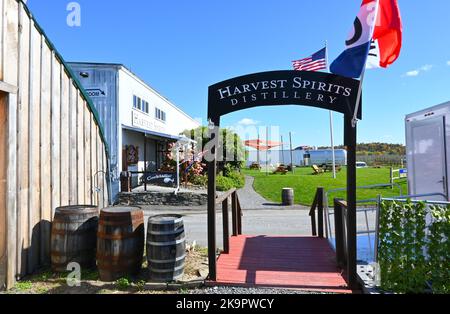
(412, 73)
(247, 122)
(424, 68)
(448, 63)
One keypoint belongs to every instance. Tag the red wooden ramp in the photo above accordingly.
(305, 263)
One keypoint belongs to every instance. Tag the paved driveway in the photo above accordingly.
(254, 222)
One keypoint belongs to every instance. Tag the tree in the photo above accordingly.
(231, 149)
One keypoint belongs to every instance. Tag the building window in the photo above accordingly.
(160, 115)
(140, 104)
(145, 106)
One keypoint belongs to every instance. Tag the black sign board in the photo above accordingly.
(315, 89)
(160, 178)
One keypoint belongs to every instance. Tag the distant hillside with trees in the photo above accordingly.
(377, 149)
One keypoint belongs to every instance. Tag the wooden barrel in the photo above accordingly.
(166, 247)
(287, 196)
(74, 236)
(120, 242)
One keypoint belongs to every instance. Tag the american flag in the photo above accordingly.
(316, 62)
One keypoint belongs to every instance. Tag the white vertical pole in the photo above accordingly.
(291, 152)
(332, 145)
(267, 150)
(331, 121)
(178, 168)
(258, 161)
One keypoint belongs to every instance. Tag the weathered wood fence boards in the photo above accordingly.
(52, 150)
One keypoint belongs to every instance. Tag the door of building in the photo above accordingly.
(428, 157)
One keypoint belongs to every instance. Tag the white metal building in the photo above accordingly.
(428, 151)
(136, 118)
(300, 157)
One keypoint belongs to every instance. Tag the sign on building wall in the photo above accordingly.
(97, 91)
(146, 122)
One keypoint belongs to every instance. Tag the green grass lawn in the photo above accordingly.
(305, 184)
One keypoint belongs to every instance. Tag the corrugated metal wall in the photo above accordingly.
(55, 145)
(104, 79)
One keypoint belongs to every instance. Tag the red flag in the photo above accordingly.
(388, 32)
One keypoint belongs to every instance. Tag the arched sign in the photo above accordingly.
(315, 89)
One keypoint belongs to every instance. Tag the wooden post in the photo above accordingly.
(320, 194)
(391, 175)
(226, 225)
(234, 213)
(350, 141)
(212, 201)
(339, 233)
(239, 217)
(312, 214)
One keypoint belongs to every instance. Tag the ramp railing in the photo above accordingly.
(236, 216)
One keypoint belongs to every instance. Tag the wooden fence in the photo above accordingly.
(52, 149)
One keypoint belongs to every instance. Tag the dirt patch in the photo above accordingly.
(45, 281)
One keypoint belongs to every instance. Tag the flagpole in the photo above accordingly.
(361, 80)
(358, 98)
(331, 120)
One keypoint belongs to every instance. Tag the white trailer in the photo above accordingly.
(427, 135)
(323, 157)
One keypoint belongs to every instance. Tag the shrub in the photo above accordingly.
(224, 183)
(237, 178)
(199, 180)
(123, 284)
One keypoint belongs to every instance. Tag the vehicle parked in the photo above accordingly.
(361, 164)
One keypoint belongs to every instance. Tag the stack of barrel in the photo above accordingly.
(114, 242)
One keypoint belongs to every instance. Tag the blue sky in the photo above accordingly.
(181, 47)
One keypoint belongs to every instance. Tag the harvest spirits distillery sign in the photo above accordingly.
(314, 89)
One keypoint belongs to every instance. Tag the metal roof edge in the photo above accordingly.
(435, 107)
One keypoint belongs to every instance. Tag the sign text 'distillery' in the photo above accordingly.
(314, 89)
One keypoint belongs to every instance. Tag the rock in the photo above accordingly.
(160, 198)
(203, 272)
